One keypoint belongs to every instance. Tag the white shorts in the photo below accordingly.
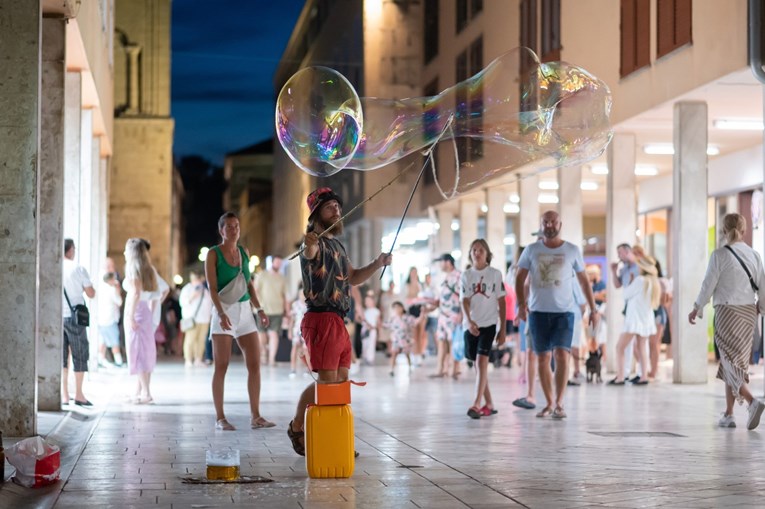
(241, 318)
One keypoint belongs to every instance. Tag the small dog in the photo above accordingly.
(593, 366)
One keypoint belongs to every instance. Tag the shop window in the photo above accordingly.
(431, 30)
(470, 63)
(550, 31)
(635, 36)
(673, 25)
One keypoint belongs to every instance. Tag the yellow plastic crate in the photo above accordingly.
(329, 441)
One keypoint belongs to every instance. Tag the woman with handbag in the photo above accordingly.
(143, 297)
(233, 296)
(736, 283)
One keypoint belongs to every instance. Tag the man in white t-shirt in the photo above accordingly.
(76, 281)
(554, 265)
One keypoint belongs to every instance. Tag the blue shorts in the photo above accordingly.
(110, 335)
(551, 330)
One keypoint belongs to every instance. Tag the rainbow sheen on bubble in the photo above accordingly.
(515, 113)
(319, 120)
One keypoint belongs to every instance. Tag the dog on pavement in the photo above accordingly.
(593, 366)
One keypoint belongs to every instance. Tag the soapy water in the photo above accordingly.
(526, 114)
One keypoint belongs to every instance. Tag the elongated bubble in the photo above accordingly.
(516, 112)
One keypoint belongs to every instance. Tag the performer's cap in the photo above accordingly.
(321, 196)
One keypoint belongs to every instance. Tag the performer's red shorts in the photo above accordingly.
(327, 341)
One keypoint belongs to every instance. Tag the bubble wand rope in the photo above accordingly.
(391, 181)
(429, 159)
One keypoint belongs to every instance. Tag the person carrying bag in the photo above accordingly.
(80, 312)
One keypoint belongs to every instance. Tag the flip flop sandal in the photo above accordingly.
(486, 411)
(224, 425)
(295, 437)
(474, 413)
(545, 412)
(559, 413)
(614, 382)
(524, 403)
(261, 422)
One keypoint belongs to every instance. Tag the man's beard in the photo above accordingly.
(337, 230)
(551, 233)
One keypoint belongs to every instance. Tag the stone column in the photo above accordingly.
(72, 155)
(495, 226)
(468, 229)
(50, 236)
(528, 190)
(96, 255)
(445, 233)
(83, 252)
(689, 239)
(20, 26)
(134, 80)
(621, 223)
(570, 204)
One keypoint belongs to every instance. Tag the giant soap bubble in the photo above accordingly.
(528, 113)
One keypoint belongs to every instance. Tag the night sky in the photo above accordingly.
(224, 55)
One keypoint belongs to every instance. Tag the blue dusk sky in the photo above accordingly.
(224, 55)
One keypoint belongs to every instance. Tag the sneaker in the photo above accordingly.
(755, 411)
(293, 374)
(573, 382)
(726, 421)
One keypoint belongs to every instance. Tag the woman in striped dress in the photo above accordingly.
(734, 275)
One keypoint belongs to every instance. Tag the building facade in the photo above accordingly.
(142, 192)
(677, 71)
(57, 143)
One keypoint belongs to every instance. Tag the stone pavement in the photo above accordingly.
(621, 447)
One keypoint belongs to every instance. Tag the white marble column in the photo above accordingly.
(621, 223)
(19, 188)
(528, 190)
(83, 253)
(51, 215)
(570, 204)
(689, 239)
(496, 226)
(72, 154)
(445, 233)
(96, 255)
(468, 230)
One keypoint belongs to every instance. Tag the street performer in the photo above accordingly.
(327, 279)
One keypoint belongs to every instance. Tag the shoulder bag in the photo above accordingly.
(80, 312)
(189, 323)
(236, 288)
(743, 265)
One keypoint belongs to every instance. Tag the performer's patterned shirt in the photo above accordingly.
(325, 278)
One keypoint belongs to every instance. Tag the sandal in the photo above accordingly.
(614, 382)
(545, 412)
(295, 437)
(224, 425)
(261, 422)
(486, 411)
(474, 413)
(559, 413)
(524, 403)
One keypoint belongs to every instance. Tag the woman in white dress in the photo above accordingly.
(642, 297)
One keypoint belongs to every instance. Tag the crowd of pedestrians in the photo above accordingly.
(544, 317)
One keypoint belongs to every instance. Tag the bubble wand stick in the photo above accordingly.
(428, 159)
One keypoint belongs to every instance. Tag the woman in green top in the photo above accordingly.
(232, 318)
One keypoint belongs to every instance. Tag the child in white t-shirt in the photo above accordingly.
(297, 310)
(369, 329)
(482, 293)
(401, 326)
